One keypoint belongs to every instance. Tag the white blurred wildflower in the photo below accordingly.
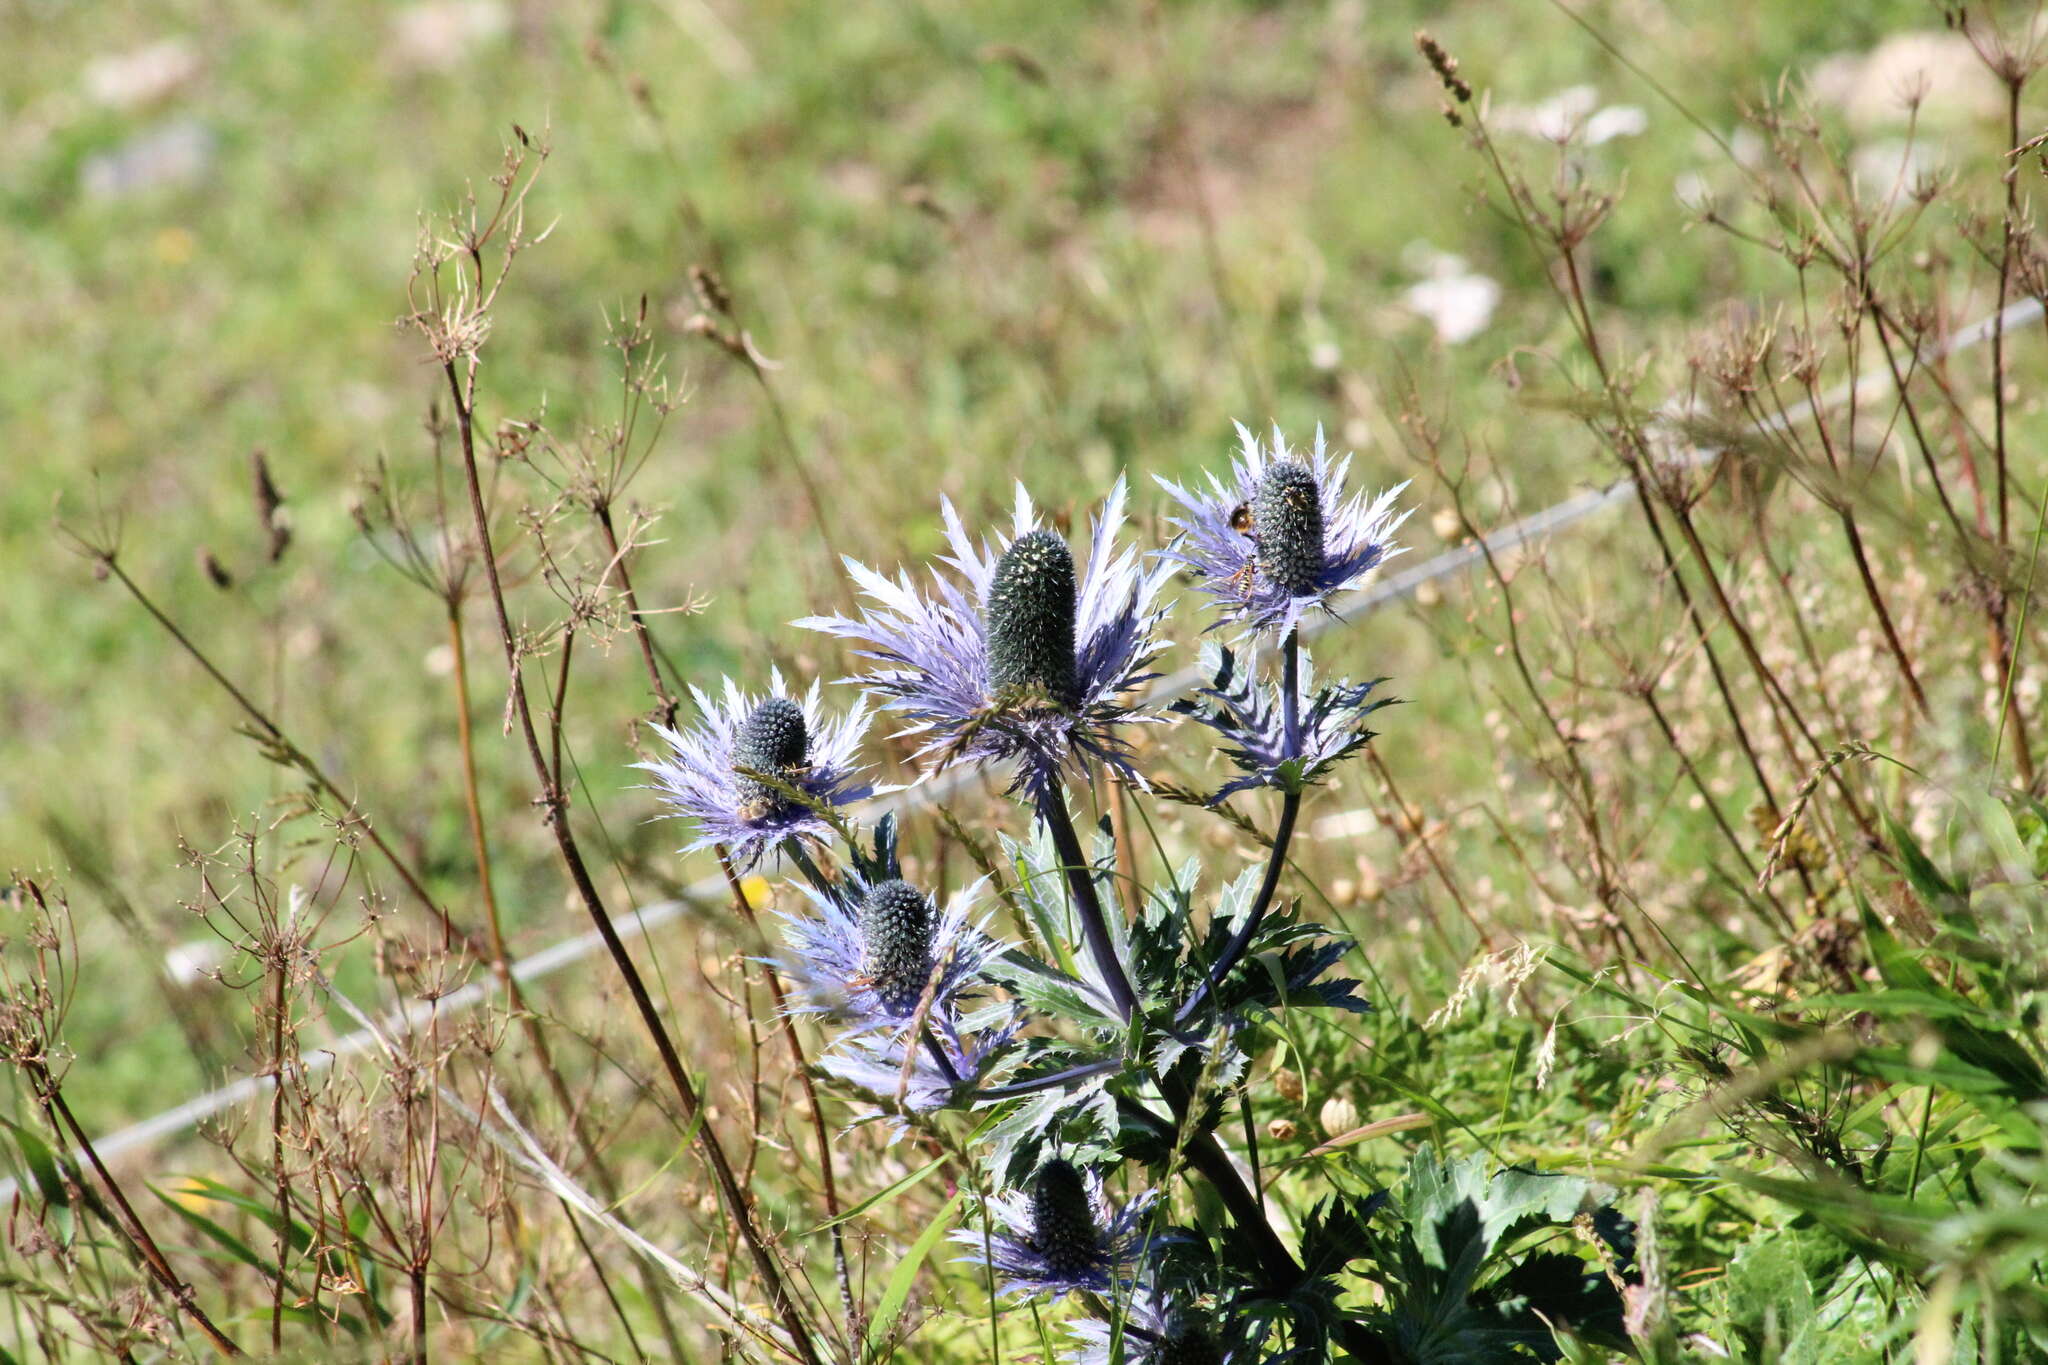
(438, 35)
(1616, 120)
(193, 961)
(1574, 111)
(1458, 301)
(1890, 167)
(1941, 73)
(144, 75)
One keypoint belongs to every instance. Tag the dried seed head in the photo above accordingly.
(1187, 1342)
(1444, 64)
(772, 739)
(896, 930)
(1031, 619)
(1287, 513)
(1063, 1228)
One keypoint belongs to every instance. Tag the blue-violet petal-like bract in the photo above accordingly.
(1263, 551)
(1036, 1255)
(1250, 716)
(703, 776)
(932, 649)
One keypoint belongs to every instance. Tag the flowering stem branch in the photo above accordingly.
(938, 1053)
(745, 904)
(131, 1226)
(1052, 808)
(554, 806)
(1290, 807)
(1290, 692)
(1247, 1213)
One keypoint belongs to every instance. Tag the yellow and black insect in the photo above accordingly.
(1241, 522)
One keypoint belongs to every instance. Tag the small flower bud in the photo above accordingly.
(1287, 1085)
(1338, 1116)
(1282, 1130)
(1287, 516)
(772, 739)
(1031, 619)
(896, 930)
(1063, 1228)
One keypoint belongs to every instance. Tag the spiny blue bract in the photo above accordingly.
(1031, 619)
(896, 930)
(1063, 1230)
(772, 739)
(1287, 519)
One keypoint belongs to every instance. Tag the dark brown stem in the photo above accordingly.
(284, 1198)
(52, 1099)
(479, 838)
(418, 1280)
(555, 813)
(1884, 616)
(2007, 234)
(1699, 626)
(1052, 809)
(282, 743)
(1763, 671)
(669, 704)
(530, 1025)
(745, 905)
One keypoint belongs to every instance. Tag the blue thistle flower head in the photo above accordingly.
(1250, 716)
(1279, 538)
(755, 770)
(1016, 655)
(1061, 1235)
(1156, 1331)
(869, 952)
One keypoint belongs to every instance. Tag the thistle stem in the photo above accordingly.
(1283, 1273)
(1290, 692)
(793, 847)
(938, 1053)
(1283, 834)
(1052, 808)
(1056, 1080)
(1290, 807)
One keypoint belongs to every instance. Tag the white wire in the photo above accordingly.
(1387, 590)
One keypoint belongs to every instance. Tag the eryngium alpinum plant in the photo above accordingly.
(1098, 1068)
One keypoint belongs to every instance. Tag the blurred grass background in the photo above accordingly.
(1054, 242)
(1049, 242)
